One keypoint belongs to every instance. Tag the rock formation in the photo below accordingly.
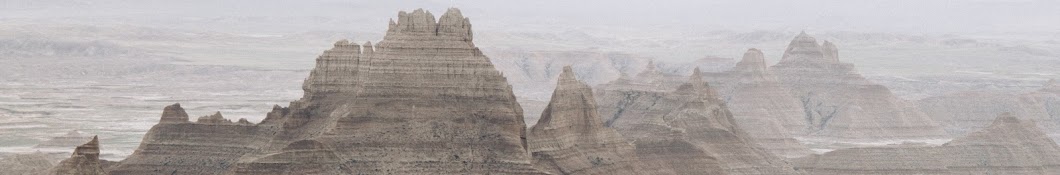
(178, 146)
(1008, 146)
(423, 100)
(32, 163)
(84, 161)
(684, 130)
(759, 101)
(841, 104)
(570, 137)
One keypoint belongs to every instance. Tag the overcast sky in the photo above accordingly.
(901, 16)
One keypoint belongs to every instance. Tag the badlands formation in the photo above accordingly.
(426, 100)
(965, 112)
(840, 104)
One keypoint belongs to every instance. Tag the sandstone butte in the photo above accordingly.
(424, 100)
(682, 130)
(570, 137)
(840, 104)
(1009, 145)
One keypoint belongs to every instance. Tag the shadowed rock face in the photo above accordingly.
(84, 161)
(762, 104)
(1008, 146)
(686, 130)
(570, 137)
(841, 104)
(423, 100)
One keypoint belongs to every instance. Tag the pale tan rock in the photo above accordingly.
(687, 130)
(841, 104)
(84, 161)
(26, 164)
(570, 137)
(965, 112)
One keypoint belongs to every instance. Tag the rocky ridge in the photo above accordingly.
(840, 103)
(570, 137)
(683, 130)
(84, 161)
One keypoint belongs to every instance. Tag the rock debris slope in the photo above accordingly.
(685, 130)
(424, 100)
(762, 105)
(1008, 146)
(570, 137)
(841, 104)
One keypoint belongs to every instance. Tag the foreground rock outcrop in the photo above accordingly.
(424, 100)
(570, 137)
(1008, 146)
(762, 104)
(84, 161)
(841, 104)
(683, 130)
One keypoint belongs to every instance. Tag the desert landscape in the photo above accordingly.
(480, 87)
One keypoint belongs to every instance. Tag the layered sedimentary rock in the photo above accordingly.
(759, 102)
(683, 130)
(570, 137)
(841, 104)
(1008, 146)
(212, 145)
(424, 100)
(84, 161)
(964, 112)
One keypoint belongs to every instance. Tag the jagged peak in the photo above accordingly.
(94, 141)
(174, 114)
(696, 85)
(215, 118)
(452, 22)
(91, 148)
(753, 60)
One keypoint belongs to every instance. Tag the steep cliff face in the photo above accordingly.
(760, 103)
(841, 104)
(570, 137)
(212, 145)
(687, 130)
(84, 161)
(1008, 146)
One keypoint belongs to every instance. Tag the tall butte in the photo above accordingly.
(841, 104)
(424, 100)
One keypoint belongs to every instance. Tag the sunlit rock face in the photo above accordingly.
(84, 161)
(685, 130)
(841, 104)
(762, 105)
(965, 112)
(570, 137)
(424, 100)
(1008, 145)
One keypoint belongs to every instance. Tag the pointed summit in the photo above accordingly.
(753, 61)
(803, 48)
(570, 137)
(84, 161)
(174, 114)
(696, 85)
(422, 23)
(94, 141)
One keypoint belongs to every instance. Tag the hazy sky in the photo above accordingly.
(901, 16)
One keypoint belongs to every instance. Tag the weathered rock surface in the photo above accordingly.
(175, 146)
(840, 103)
(424, 100)
(760, 103)
(84, 161)
(570, 137)
(684, 130)
(1008, 146)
